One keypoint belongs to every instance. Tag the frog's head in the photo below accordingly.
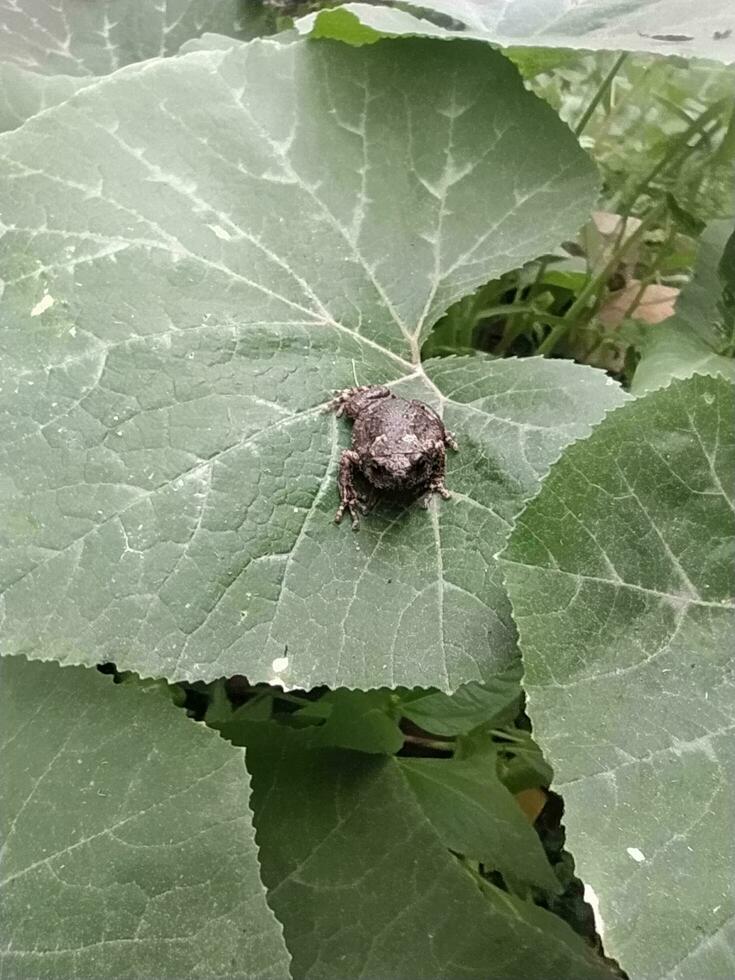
(398, 465)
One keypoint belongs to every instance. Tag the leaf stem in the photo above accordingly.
(600, 94)
(429, 743)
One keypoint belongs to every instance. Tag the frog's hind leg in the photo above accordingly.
(436, 484)
(352, 401)
(450, 441)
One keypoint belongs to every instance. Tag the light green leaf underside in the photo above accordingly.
(365, 887)
(688, 342)
(76, 37)
(622, 578)
(217, 242)
(669, 27)
(128, 848)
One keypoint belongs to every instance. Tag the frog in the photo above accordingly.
(398, 446)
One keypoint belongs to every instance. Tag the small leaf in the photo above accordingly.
(474, 815)
(471, 705)
(128, 847)
(364, 886)
(366, 721)
(621, 576)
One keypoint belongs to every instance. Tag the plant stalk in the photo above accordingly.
(600, 94)
(429, 743)
(680, 150)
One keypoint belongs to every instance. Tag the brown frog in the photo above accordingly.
(397, 445)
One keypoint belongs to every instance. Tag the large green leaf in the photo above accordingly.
(704, 322)
(365, 886)
(216, 243)
(76, 37)
(128, 848)
(677, 27)
(621, 574)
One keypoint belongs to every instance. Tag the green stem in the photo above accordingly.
(594, 285)
(599, 94)
(505, 309)
(429, 743)
(502, 733)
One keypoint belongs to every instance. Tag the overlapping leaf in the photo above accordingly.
(365, 886)
(672, 27)
(217, 242)
(75, 37)
(621, 574)
(127, 842)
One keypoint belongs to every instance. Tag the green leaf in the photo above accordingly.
(365, 887)
(621, 577)
(128, 848)
(74, 37)
(668, 27)
(24, 93)
(474, 815)
(688, 342)
(366, 721)
(470, 706)
(241, 233)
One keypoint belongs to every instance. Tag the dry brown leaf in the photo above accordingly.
(532, 802)
(654, 304)
(606, 232)
(609, 224)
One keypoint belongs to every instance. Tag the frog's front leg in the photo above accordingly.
(347, 493)
(352, 401)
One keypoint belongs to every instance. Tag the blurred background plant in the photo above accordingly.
(662, 132)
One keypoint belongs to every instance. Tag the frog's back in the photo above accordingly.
(395, 417)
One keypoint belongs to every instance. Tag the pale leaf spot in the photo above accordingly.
(42, 305)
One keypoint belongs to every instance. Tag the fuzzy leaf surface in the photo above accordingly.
(75, 37)
(24, 93)
(127, 843)
(622, 577)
